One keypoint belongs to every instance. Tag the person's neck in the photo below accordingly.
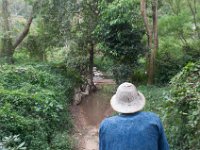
(130, 114)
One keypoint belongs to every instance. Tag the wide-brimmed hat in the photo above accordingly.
(127, 99)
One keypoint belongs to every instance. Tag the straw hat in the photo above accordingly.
(127, 99)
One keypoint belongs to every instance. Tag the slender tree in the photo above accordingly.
(146, 23)
(152, 36)
(88, 20)
(6, 39)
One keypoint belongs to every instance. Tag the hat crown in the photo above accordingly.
(126, 93)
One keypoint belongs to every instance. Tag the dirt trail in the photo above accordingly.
(88, 115)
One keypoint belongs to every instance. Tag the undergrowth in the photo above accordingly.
(34, 102)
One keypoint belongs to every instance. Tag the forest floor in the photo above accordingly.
(88, 115)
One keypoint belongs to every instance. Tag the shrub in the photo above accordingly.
(183, 109)
(34, 103)
(121, 36)
(154, 98)
(12, 143)
(121, 73)
(167, 66)
(103, 63)
(77, 57)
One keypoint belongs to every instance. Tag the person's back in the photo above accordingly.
(137, 131)
(132, 129)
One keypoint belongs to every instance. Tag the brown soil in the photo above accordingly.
(88, 115)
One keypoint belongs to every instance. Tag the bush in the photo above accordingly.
(154, 98)
(122, 73)
(12, 143)
(183, 109)
(167, 66)
(22, 56)
(172, 57)
(115, 29)
(103, 63)
(34, 103)
(62, 141)
(77, 57)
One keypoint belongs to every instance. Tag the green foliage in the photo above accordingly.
(124, 72)
(82, 44)
(139, 74)
(121, 73)
(52, 25)
(192, 51)
(89, 19)
(62, 141)
(34, 103)
(54, 20)
(36, 45)
(22, 56)
(77, 57)
(183, 109)
(154, 98)
(120, 31)
(171, 24)
(178, 37)
(13, 143)
(19, 11)
(169, 60)
(103, 63)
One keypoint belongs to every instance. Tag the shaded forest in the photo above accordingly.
(50, 47)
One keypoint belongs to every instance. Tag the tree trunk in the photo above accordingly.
(6, 40)
(8, 47)
(91, 63)
(24, 33)
(152, 37)
(146, 23)
(143, 9)
(155, 42)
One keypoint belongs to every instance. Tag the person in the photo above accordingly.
(132, 129)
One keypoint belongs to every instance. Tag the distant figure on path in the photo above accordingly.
(132, 129)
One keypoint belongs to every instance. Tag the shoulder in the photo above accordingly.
(108, 121)
(150, 115)
(154, 119)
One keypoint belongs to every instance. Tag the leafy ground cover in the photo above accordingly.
(183, 109)
(34, 102)
(178, 106)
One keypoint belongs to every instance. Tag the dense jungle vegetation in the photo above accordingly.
(49, 47)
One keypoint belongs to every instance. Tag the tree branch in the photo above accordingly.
(24, 33)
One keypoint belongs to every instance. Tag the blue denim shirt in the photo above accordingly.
(137, 131)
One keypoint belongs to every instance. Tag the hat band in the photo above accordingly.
(128, 100)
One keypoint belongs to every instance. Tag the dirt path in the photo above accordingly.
(88, 115)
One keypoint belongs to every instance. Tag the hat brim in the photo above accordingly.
(132, 107)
